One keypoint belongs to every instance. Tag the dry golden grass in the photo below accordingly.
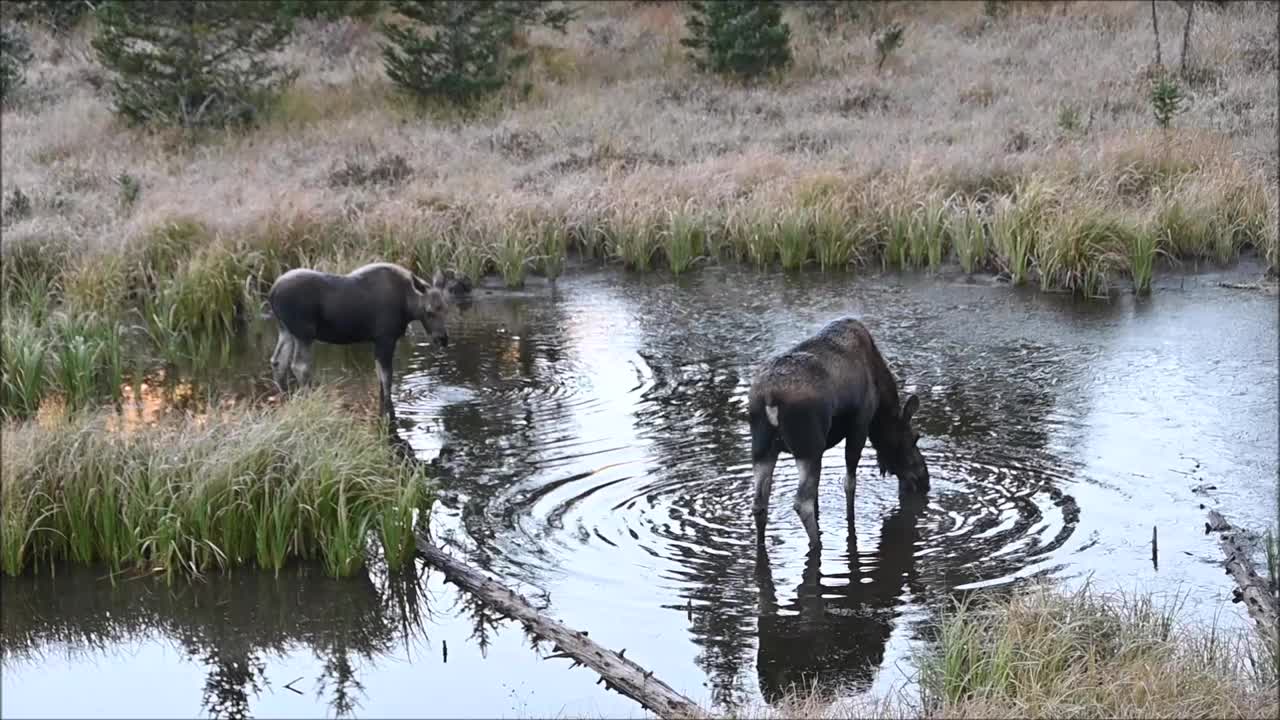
(617, 121)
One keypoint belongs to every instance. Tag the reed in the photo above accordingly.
(895, 232)
(794, 237)
(24, 370)
(1045, 652)
(1082, 248)
(251, 487)
(633, 237)
(512, 250)
(1017, 223)
(928, 237)
(685, 238)
(840, 236)
(968, 234)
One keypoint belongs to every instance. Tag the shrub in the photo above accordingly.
(887, 41)
(16, 207)
(743, 39)
(59, 16)
(830, 14)
(15, 53)
(328, 9)
(192, 64)
(469, 51)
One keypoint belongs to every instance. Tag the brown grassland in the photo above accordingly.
(1022, 143)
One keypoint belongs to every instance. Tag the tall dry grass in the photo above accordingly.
(185, 497)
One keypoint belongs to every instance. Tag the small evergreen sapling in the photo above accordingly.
(738, 38)
(192, 63)
(461, 50)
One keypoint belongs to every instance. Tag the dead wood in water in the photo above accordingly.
(1253, 589)
(616, 672)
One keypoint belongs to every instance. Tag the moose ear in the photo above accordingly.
(419, 284)
(436, 299)
(909, 407)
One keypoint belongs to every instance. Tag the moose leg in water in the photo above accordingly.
(806, 503)
(764, 458)
(384, 354)
(853, 444)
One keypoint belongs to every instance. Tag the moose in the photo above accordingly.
(831, 386)
(374, 303)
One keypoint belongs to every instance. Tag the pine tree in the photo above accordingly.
(15, 53)
(468, 51)
(192, 63)
(738, 37)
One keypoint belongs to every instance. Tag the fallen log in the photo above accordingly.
(616, 672)
(1252, 588)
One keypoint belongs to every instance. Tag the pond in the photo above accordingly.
(592, 445)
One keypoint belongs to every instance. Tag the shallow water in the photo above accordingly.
(594, 453)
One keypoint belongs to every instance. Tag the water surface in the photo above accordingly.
(592, 445)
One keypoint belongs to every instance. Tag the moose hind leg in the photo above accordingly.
(302, 362)
(806, 503)
(281, 358)
(762, 483)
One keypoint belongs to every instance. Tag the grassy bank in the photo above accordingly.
(257, 487)
(611, 146)
(1051, 653)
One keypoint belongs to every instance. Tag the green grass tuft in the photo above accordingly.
(257, 487)
(1046, 653)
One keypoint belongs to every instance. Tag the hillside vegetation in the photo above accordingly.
(1039, 140)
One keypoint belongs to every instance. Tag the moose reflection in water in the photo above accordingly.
(835, 635)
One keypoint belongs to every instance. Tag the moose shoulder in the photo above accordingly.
(374, 303)
(831, 386)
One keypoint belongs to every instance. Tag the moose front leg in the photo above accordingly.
(281, 359)
(384, 354)
(853, 444)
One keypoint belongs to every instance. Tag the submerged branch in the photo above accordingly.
(616, 671)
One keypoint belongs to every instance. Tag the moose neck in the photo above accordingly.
(887, 408)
